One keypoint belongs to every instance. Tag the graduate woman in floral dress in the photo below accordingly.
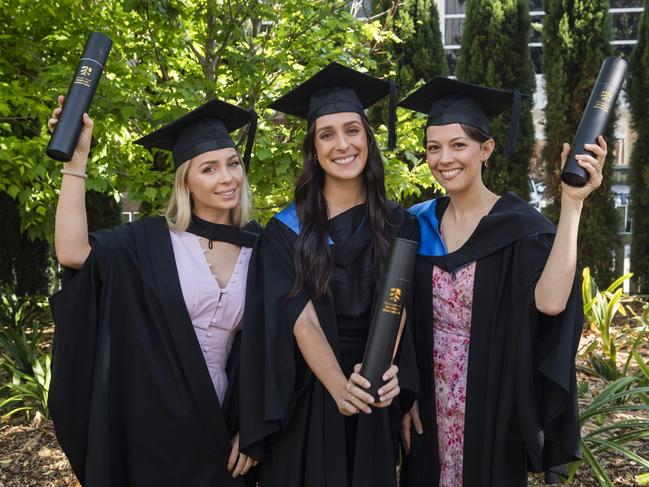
(497, 309)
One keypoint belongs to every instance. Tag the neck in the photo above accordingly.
(475, 201)
(343, 194)
(223, 217)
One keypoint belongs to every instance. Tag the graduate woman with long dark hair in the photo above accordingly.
(305, 411)
(497, 309)
(146, 323)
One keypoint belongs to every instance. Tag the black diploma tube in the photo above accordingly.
(388, 309)
(77, 101)
(595, 118)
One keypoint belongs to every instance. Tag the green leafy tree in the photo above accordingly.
(167, 57)
(576, 39)
(413, 55)
(638, 96)
(25, 266)
(494, 52)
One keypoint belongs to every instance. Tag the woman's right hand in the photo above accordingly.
(353, 398)
(410, 419)
(80, 156)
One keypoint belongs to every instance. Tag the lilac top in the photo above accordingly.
(215, 312)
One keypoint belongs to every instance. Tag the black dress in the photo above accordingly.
(288, 418)
(131, 396)
(521, 401)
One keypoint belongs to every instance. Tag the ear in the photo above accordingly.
(486, 149)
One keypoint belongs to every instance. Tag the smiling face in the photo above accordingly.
(215, 180)
(455, 159)
(341, 145)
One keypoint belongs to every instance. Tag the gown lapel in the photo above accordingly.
(156, 242)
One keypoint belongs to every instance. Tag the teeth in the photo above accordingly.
(451, 173)
(346, 160)
(226, 193)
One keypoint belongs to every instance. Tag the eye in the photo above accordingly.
(433, 148)
(353, 130)
(208, 169)
(459, 145)
(234, 163)
(325, 135)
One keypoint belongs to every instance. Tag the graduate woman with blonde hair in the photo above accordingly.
(143, 390)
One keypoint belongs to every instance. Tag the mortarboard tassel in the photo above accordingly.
(250, 133)
(392, 117)
(512, 135)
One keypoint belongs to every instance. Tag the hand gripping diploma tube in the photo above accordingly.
(595, 118)
(388, 309)
(77, 101)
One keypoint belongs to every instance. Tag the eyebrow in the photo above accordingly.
(214, 161)
(346, 124)
(452, 140)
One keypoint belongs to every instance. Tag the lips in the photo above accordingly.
(450, 173)
(229, 192)
(342, 161)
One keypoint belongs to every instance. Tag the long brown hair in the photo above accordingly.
(312, 257)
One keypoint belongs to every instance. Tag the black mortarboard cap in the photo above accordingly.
(336, 89)
(447, 101)
(204, 129)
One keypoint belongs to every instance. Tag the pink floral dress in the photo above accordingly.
(452, 302)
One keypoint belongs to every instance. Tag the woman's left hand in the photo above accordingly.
(238, 463)
(389, 390)
(593, 165)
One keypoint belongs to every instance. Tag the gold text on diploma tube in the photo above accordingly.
(393, 306)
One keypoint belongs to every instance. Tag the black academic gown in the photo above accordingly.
(288, 419)
(131, 396)
(521, 403)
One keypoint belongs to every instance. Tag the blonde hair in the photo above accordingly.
(179, 209)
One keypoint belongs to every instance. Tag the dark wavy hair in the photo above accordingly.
(312, 256)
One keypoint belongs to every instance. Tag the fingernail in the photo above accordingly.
(379, 392)
(420, 431)
(381, 399)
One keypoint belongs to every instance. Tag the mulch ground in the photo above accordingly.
(30, 455)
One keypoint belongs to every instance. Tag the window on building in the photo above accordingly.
(626, 3)
(625, 16)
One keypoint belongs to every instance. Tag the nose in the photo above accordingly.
(224, 175)
(445, 156)
(341, 142)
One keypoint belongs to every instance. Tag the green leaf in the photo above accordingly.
(13, 190)
(642, 479)
(598, 470)
(641, 363)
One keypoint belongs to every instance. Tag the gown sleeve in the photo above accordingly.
(268, 352)
(80, 351)
(546, 381)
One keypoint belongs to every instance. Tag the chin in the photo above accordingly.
(346, 173)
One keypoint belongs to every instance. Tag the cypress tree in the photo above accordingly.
(420, 54)
(638, 97)
(494, 52)
(576, 39)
